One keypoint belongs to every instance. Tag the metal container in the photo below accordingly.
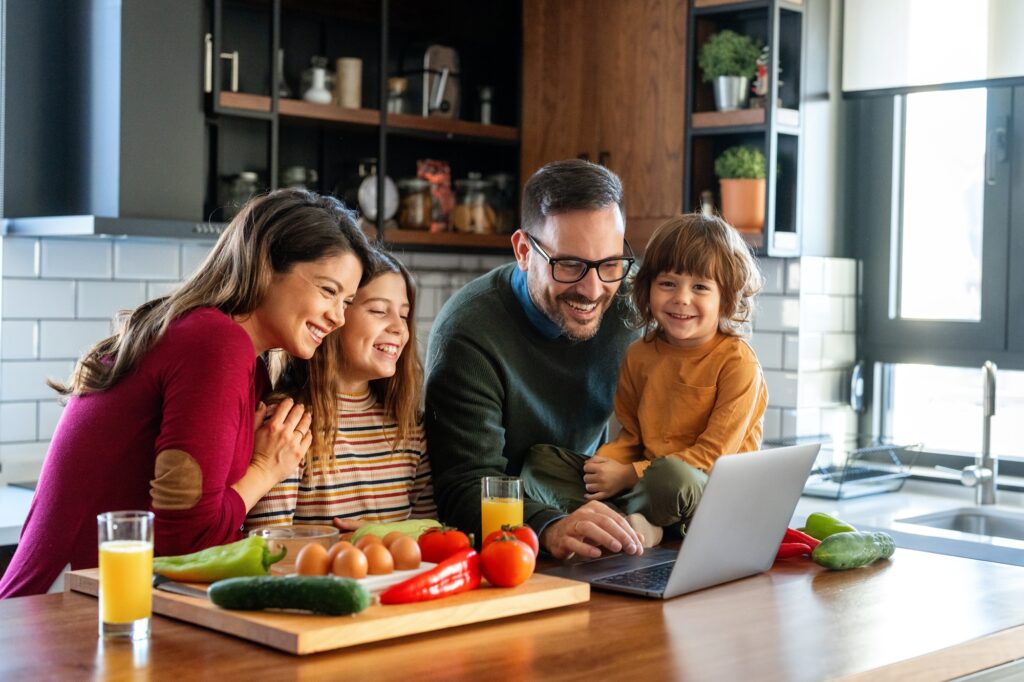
(433, 77)
(731, 92)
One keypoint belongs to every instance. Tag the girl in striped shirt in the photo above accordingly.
(371, 465)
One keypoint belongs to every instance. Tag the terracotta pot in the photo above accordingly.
(743, 203)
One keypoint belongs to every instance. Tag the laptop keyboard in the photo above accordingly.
(653, 578)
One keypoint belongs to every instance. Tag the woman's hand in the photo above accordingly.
(606, 478)
(279, 444)
(348, 525)
(282, 440)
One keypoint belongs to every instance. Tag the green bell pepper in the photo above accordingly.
(243, 558)
(820, 526)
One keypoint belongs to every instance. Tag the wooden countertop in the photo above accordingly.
(919, 616)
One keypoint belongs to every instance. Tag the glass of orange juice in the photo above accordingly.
(126, 573)
(501, 503)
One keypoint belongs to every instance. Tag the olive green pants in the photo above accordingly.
(667, 494)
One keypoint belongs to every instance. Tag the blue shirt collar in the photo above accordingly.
(538, 319)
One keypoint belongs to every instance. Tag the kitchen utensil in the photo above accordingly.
(167, 585)
(433, 77)
(294, 538)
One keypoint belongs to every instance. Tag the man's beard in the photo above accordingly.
(569, 328)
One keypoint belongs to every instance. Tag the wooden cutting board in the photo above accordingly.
(306, 633)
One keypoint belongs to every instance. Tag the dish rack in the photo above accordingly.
(856, 467)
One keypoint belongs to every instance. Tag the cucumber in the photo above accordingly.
(853, 549)
(319, 594)
(414, 528)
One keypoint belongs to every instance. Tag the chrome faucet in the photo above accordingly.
(982, 474)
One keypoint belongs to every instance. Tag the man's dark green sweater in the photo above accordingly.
(496, 386)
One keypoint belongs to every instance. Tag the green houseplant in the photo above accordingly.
(729, 60)
(741, 173)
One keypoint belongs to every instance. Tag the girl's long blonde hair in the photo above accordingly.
(401, 394)
(270, 235)
(703, 246)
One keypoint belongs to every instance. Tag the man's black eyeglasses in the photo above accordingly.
(570, 270)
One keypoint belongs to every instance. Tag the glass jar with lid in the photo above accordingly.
(473, 211)
(415, 204)
(238, 189)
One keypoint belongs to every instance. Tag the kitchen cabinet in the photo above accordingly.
(257, 52)
(775, 128)
(604, 80)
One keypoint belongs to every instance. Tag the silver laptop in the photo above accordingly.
(747, 504)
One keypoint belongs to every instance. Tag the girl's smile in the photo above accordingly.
(686, 308)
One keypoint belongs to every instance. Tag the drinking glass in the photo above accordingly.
(126, 573)
(501, 503)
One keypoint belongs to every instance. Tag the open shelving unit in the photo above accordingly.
(257, 128)
(775, 128)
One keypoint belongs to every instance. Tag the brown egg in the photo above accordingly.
(312, 560)
(406, 553)
(350, 563)
(369, 539)
(392, 536)
(378, 559)
(336, 548)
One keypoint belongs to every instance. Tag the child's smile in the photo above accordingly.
(686, 308)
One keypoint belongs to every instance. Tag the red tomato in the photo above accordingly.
(524, 534)
(507, 562)
(437, 544)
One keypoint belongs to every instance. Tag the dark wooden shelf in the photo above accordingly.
(461, 240)
(705, 120)
(398, 124)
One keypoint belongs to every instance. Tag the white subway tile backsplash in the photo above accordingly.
(35, 298)
(22, 461)
(768, 348)
(793, 276)
(782, 388)
(68, 339)
(76, 259)
(49, 414)
(788, 426)
(820, 313)
(21, 257)
(431, 279)
(808, 421)
(809, 351)
(19, 339)
(838, 350)
(192, 256)
(103, 300)
(791, 352)
(17, 422)
(774, 272)
(850, 314)
(432, 261)
(488, 263)
(160, 289)
(840, 276)
(26, 380)
(147, 260)
(812, 275)
(819, 389)
(776, 313)
(772, 424)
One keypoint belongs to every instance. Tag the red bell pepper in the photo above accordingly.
(458, 573)
(792, 549)
(796, 536)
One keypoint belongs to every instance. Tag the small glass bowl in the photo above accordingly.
(294, 538)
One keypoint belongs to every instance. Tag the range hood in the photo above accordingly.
(110, 138)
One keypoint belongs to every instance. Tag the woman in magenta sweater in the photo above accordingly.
(166, 414)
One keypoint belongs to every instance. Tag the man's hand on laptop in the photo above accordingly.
(589, 529)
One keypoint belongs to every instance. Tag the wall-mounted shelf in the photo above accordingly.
(461, 240)
(713, 120)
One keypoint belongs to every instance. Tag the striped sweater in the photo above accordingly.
(370, 480)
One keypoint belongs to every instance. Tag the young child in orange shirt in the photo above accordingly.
(690, 390)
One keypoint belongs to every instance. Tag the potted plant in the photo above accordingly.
(741, 172)
(728, 60)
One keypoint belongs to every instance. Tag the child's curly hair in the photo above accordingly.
(702, 246)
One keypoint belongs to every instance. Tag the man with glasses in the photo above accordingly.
(530, 352)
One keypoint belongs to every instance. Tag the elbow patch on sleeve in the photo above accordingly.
(177, 482)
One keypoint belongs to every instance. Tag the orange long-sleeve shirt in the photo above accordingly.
(693, 403)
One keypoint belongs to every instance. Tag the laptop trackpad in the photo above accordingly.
(595, 569)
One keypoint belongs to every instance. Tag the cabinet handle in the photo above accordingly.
(603, 158)
(583, 156)
(996, 152)
(208, 63)
(233, 58)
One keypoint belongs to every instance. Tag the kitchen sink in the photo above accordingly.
(976, 521)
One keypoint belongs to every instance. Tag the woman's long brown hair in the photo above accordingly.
(270, 235)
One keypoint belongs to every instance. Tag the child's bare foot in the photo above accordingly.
(651, 534)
